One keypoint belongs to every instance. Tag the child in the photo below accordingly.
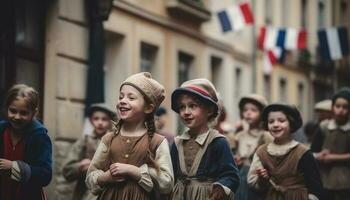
(247, 141)
(79, 157)
(202, 160)
(160, 121)
(332, 144)
(284, 168)
(132, 161)
(25, 147)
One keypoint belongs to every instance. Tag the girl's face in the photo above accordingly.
(101, 122)
(251, 114)
(193, 114)
(19, 113)
(131, 104)
(279, 126)
(341, 110)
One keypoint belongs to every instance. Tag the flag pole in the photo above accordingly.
(254, 51)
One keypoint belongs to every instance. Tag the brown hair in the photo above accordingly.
(29, 94)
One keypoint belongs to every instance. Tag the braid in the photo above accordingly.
(151, 129)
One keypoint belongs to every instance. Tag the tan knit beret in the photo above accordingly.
(147, 86)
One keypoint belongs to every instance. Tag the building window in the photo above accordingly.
(238, 82)
(283, 90)
(267, 87)
(343, 13)
(185, 62)
(321, 14)
(216, 65)
(148, 57)
(304, 21)
(268, 12)
(301, 97)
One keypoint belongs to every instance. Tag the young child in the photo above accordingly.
(25, 147)
(160, 121)
(132, 161)
(247, 141)
(332, 147)
(202, 160)
(284, 169)
(79, 157)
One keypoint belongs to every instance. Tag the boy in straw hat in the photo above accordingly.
(248, 140)
(133, 161)
(202, 160)
(79, 157)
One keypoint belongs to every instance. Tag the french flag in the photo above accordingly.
(333, 43)
(235, 17)
(289, 39)
(270, 58)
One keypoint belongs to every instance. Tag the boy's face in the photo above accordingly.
(101, 122)
(251, 113)
(278, 125)
(159, 121)
(193, 113)
(131, 104)
(341, 110)
(19, 113)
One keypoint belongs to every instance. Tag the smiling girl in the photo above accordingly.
(132, 161)
(284, 169)
(25, 147)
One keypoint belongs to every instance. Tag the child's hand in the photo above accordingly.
(238, 160)
(321, 155)
(5, 164)
(263, 173)
(122, 170)
(218, 193)
(84, 164)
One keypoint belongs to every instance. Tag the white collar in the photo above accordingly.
(332, 125)
(200, 139)
(279, 150)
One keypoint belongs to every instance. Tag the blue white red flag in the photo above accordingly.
(235, 17)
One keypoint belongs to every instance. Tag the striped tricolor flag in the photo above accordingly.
(289, 39)
(235, 17)
(333, 43)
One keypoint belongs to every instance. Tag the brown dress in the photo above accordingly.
(129, 150)
(284, 173)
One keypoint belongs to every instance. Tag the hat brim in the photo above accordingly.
(244, 100)
(94, 108)
(179, 91)
(293, 112)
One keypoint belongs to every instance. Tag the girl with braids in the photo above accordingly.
(132, 161)
(203, 164)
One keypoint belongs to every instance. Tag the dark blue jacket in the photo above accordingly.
(36, 170)
(217, 163)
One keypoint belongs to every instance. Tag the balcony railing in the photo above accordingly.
(193, 10)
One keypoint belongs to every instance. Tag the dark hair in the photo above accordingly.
(160, 111)
(294, 125)
(200, 101)
(29, 94)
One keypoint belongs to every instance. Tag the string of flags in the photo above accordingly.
(274, 41)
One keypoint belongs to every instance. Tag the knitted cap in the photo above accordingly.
(255, 98)
(290, 110)
(202, 88)
(325, 105)
(342, 93)
(147, 86)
